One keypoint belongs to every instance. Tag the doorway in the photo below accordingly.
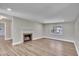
(2, 30)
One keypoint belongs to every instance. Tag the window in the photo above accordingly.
(58, 30)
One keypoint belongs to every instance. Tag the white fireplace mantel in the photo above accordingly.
(27, 32)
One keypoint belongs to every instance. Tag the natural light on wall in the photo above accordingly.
(2, 17)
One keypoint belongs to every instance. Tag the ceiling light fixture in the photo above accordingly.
(9, 9)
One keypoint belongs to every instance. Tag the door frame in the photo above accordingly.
(4, 29)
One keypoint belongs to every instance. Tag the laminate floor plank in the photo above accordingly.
(39, 47)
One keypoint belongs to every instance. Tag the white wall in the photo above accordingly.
(68, 28)
(21, 25)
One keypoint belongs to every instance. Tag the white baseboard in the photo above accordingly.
(19, 42)
(37, 38)
(8, 39)
(76, 48)
(61, 39)
(46, 37)
(16, 43)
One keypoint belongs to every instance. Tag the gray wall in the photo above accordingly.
(21, 25)
(77, 34)
(71, 30)
(68, 33)
(41, 30)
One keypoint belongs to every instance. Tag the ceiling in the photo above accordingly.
(42, 12)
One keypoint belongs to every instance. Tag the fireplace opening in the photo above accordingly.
(27, 37)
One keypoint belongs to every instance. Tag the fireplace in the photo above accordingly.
(27, 37)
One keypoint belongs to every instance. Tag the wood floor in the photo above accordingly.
(41, 47)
